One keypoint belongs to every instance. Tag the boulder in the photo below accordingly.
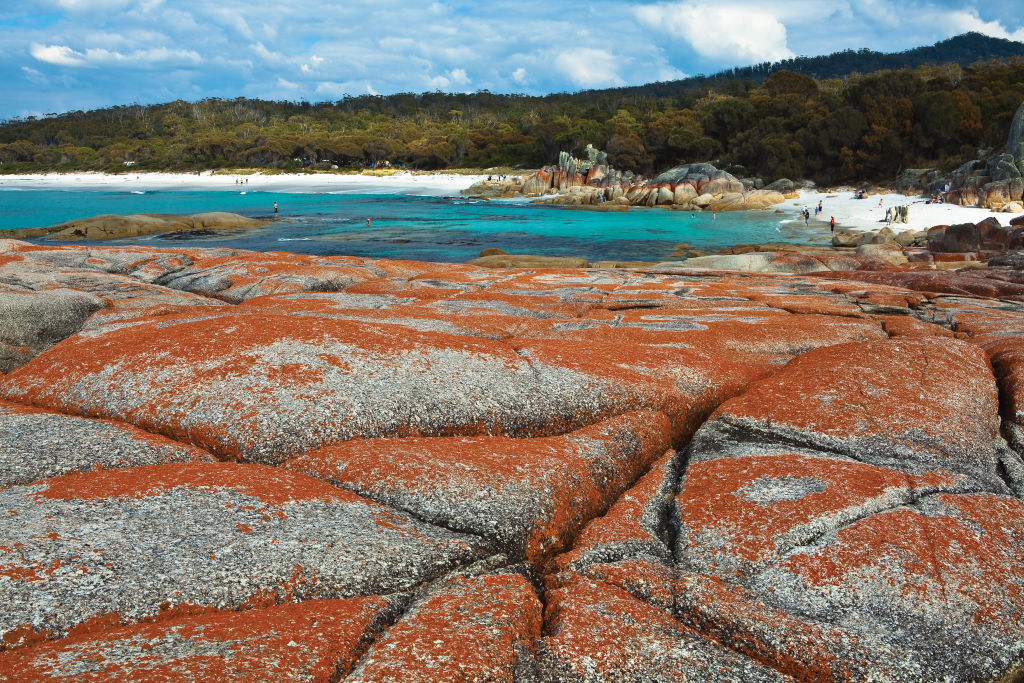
(665, 195)
(762, 199)
(683, 194)
(916, 181)
(844, 238)
(962, 237)
(1014, 207)
(782, 185)
(111, 226)
(891, 253)
(754, 262)
(703, 200)
(907, 238)
(996, 195)
(728, 185)
(537, 184)
(729, 202)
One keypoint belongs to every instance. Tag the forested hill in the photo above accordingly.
(865, 126)
(962, 50)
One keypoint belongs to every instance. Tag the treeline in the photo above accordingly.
(866, 127)
(962, 50)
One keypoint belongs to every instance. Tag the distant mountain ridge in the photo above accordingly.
(964, 49)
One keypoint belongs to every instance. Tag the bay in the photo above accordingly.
(405, 226)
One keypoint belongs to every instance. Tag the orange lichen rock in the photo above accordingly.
(433, 472)
(311, 641)
(36, 444)
(469, 628)
(204, 535)
(529, 496)
(599, 632)
(839, 492)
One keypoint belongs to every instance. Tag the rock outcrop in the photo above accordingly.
(113, 226)
(593, 183)
(240, 466)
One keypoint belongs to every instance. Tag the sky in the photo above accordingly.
(64, 55)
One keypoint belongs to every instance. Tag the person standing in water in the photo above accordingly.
(275, 208)
(367, 222)
(833, 222)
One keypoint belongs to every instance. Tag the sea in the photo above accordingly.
(407, 226)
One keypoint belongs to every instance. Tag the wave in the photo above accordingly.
(294, 239)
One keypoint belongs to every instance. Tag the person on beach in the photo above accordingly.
(833, 224)
(275, 208)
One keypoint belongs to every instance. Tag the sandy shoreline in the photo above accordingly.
(866, 214)
(425, 184)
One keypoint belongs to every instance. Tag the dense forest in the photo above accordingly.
(861, 126)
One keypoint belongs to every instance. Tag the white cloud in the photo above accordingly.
(519, 76)
(61, 55)
(287, 85)
(458, 77)
(736, 33)
(589, 67)
(968, 20)
(313, 63)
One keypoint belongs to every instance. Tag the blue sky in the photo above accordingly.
(61, 55)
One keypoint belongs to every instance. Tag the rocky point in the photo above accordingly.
(240, 466)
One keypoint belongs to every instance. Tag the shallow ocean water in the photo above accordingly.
(409, 226)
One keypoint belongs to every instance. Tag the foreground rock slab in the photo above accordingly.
(244, 466)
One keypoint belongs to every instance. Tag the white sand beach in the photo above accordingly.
(866, 214)
(427, 184)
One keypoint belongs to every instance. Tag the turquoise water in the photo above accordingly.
(410, 227)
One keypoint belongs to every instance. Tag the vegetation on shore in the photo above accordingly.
(855, 127)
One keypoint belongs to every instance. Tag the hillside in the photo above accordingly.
(962, 50)
(861, 126)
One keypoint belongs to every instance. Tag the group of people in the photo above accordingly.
(241, 181)
(818, 210)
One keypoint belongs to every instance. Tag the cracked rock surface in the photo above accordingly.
(237, 466)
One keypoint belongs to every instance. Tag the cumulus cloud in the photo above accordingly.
(966, 20)
(734, 32)
(589, 67)
(61, 55)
